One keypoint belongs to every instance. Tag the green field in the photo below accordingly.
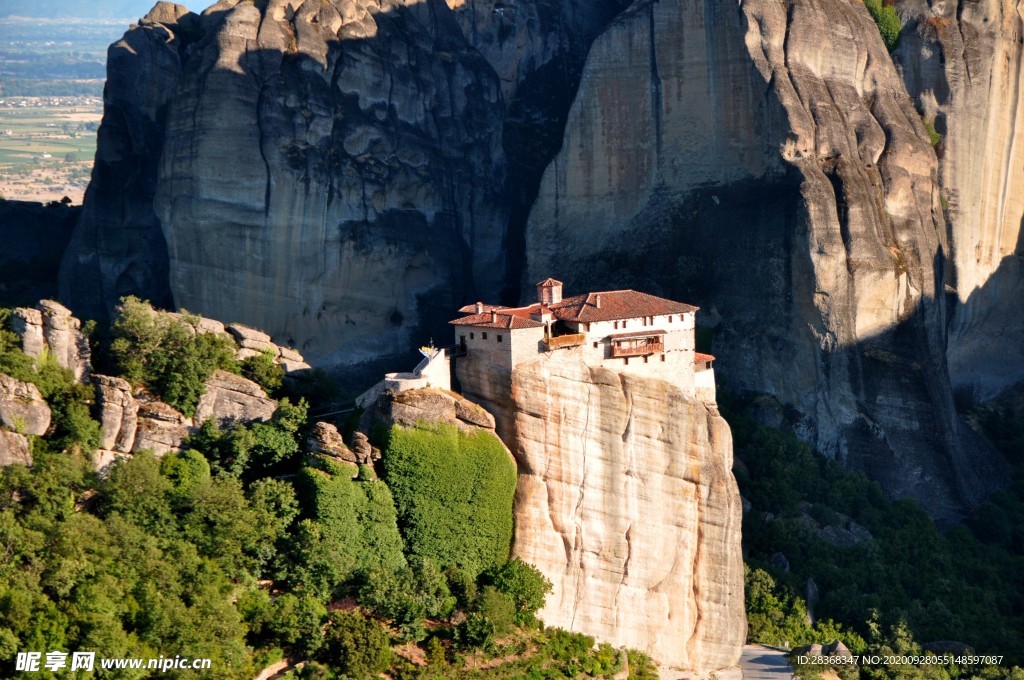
(55, 130)
(47, 146)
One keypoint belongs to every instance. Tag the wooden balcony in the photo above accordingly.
(560, 341)
(638, 348)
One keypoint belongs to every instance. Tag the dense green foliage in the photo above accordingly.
(150, 568)
(454, 494)
(888, 21)
(255, 450)
(906, 585)
(350, 528)
(167, 355)
(209, 552)
(264, 371)
(357, 646)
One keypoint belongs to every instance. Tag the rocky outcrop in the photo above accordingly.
(161, 429)
(231, 399)
(118, 248)
(333, 172)
(702, 134)
(14, 448)
(22, 408)
(51, 328)
(118, 413)
(627, 503)
(330, 168)
(964, 64)
(425, 405)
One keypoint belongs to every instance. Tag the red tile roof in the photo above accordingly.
(471, 309)
(699, 358)
(615, 305)
(550, 282)
(498, 320)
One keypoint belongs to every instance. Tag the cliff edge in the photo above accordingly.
(627, 503)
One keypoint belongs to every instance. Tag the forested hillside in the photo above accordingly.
(242, 548)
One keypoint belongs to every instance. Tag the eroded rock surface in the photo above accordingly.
(161, 429)
(51, 328)
(14, 448)
(118, 413)
(963, 62)
(627, 503)
(118, 248)
(231, 399)
(704, 134)
(22, 408)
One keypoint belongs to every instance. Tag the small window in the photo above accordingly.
(472, 336)
(670, 319)
(626, 361)
(645, 358)
(616, 325)
(663, 357)
(500, 339)
(483, 335)
(595, 345)
(462, 339)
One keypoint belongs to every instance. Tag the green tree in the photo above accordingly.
(524, 585)
(356, 646)
(264, 371)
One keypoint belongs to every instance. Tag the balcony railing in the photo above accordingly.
(560, 341)
(637, 348)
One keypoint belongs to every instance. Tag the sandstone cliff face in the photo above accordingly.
(962, 61)
(118, 248)
(331, 172)
(767, 163)
(627, 503)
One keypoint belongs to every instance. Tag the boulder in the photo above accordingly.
(363, 450)
(324, 439)
(14, 449)
(429, 405)
(118, 413)
(28, 324)
(161, 429)
(243, 334)
(52, 328)
(837, 649)
(230, 398)
(22, 408)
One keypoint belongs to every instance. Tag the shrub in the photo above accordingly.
(454, 493)
(888, 21)
(934, 136)
(167, 355)
(356, 645)
(264, 371)
(524, 585)
(498, 608)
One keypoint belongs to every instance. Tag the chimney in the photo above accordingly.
(549, 292)
(494, 316)
(597, 301)
(479, 308)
